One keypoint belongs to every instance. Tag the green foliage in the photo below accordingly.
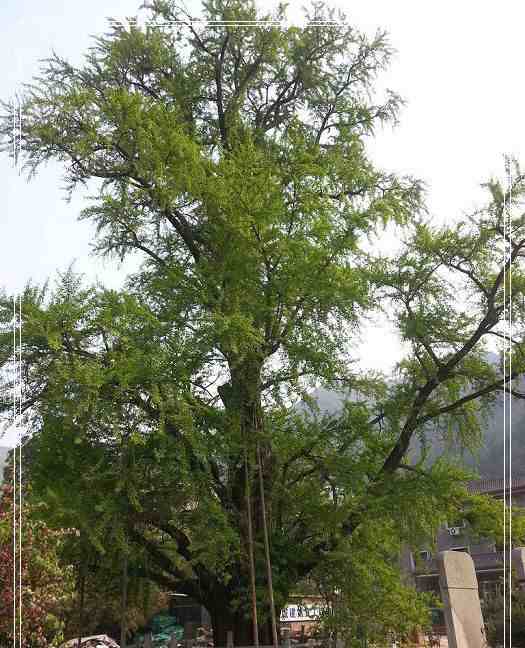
(366, 591)
(234, 161)
(499, 627)
(102, 611)
(489, 519)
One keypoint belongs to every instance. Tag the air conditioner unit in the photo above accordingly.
(454, 531)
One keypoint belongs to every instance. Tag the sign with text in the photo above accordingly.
(302, 612)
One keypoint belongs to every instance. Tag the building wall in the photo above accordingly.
(420, 566)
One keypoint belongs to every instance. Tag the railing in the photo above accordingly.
(487, 560)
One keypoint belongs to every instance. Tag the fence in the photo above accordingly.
(286, 642)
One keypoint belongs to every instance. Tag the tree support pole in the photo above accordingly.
(267, 550)
(81, 606)
(255, 624)
(124, 602)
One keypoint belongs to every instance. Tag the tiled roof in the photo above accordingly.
(495, 485)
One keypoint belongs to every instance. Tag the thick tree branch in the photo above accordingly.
(497, 386)
(163, 562)
(219, 64)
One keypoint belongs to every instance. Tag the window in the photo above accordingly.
(425, 555)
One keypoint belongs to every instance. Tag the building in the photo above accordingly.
(421, 566)
(188, 612)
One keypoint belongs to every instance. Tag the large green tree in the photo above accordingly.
(232, 157)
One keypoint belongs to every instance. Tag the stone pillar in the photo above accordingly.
(408, 568)
(459, 591)
(190, 630)
(229, 639)
(189, 634)
(518, 562)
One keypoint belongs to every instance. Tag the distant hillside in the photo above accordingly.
(488, 461)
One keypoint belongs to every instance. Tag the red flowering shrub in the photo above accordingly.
(47, 586)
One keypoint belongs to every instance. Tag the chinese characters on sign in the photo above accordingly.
(301, 612)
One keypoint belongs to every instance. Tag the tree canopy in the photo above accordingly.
(234, 160)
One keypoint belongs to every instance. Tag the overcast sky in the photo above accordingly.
(458, 66)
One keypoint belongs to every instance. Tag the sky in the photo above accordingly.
(458, 65)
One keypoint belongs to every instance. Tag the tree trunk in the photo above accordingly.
(225, 615)
(267, 551)
(242, 398)
(224, 619)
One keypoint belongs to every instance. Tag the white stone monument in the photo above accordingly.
(518, 562)
(459, 591)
